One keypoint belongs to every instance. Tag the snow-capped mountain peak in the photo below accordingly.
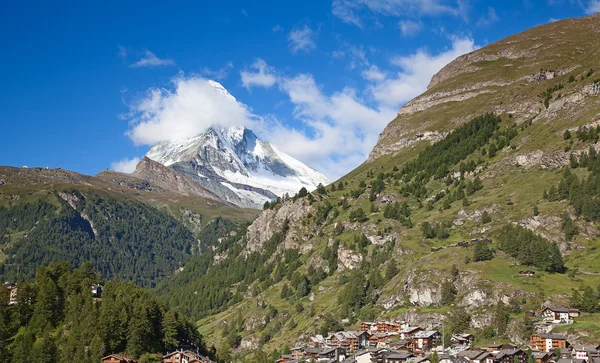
(235, 164)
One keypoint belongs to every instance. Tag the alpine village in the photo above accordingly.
(470, 234)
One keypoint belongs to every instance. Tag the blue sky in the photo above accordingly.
(87, 85)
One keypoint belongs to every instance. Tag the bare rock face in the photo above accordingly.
(348, 259)
(271, 221)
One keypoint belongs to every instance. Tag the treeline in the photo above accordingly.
(56, 319)
(530, 249)
(121, 238)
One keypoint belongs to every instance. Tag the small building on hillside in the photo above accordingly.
(527, 273)
(556, 315)
(547, 342)
(96, 290)
(423, 341)
(117, 358)
(12, 292)
(462, 339)
(408, 332)
(542, 357)
(510, 356)
(477, 356)
(586, 352)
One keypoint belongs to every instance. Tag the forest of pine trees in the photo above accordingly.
(121, 238)
(530, 249)
(56, 319)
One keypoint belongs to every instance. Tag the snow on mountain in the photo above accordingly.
(237, 166)
(251, 170)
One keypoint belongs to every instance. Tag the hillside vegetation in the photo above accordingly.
(497, 150)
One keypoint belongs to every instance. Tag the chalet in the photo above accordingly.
(510, 356)
(418, 360)
(382, 339)
(477, 356)
(447, 358)
(395, 357)
(587, 353)
(542, 357)
(563, 353)
(308, 352)
(574, 313)
(494, 348)
(425, 340)
(184, 356)
(399, 344)
(462, 339)
(96, 290)
(367, 326)
(348, 340)
(556, 315)
(12, 292)
(408, 332)
(316, 341)
(547, 342)
(337, 354)
(387, 326)
(117, 358)
(527, 273)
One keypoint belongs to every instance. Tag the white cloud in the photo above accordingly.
(416, 72)
(349, 11)
(490, 18)
(185, 110)
(410, 28)
(373, 74)
(125, 165)
(264, 76)
(151, 60)
(342, 126)
(301, 39)
(592, 7)
(277, 28)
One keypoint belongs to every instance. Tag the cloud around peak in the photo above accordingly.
(185, 109)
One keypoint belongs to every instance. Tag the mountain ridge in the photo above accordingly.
(236, 165)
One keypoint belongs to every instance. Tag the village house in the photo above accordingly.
(462, 339)
(117, 358)
(477, 356)
(185, 357)
(96, 291)
(447, 358)
(510, 356)
(586, 352)
(393, 357)
(316, 341)
(574, 313)
(399, 344)
(547, 342)
(408, 332)
(556, 315)
(337, 354)
(387, 326)
(496, 348)
(542, 357)
(12, 292)
(425, 340)
(367, 326)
